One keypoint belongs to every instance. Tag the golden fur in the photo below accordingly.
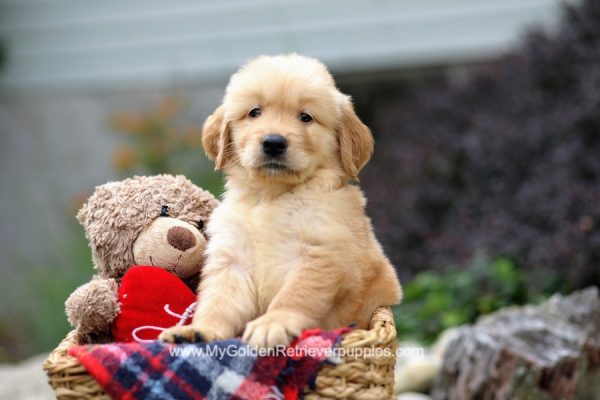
(290, 248)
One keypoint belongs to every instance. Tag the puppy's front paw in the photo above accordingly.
(183, 334)
(194, 333)
(271, 330)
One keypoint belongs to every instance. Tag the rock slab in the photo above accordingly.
(550, 351)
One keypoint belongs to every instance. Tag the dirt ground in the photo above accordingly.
(25, 380)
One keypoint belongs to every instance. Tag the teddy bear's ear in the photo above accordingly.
(82, 214)
(216, 138)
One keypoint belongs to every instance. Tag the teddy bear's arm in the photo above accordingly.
(92, 307)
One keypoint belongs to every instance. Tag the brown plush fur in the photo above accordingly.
(117, 212)
(123, 225)
(93, 306)
(291, 247)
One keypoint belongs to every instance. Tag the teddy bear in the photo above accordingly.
(147, 239)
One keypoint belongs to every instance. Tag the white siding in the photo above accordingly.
(83, 44)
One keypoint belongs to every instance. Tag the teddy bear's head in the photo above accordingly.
(156, 220)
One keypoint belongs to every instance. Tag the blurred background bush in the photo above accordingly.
(484, 187)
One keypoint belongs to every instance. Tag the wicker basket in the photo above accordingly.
(362, 374)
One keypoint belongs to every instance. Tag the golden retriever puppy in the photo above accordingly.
(290, 245)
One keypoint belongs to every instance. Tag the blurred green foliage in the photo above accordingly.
(164, 139)
(434, 301)
(35, 320)
(48, 327)
(2, 54)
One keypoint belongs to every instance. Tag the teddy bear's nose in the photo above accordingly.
(181, 238)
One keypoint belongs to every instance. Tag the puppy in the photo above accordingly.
(290, 246)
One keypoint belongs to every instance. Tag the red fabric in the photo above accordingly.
(145, 294)
(223, 370)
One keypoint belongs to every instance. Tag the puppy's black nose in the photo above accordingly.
(274, 145)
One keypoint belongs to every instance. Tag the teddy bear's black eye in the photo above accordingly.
(164, 211)
(200, 224)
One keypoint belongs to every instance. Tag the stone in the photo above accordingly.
(413, 396)
(416, 370)
(550, 351)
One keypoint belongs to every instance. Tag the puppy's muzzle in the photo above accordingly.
(274, 145)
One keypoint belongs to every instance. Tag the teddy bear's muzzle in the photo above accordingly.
(172, 244)
(181, 238)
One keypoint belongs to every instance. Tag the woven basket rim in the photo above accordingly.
(63, 368)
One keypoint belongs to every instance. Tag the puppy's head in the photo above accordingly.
(283, 119)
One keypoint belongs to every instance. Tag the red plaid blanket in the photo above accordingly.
(226, 369)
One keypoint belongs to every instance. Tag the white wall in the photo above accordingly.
(84, 44)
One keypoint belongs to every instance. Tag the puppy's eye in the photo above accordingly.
(304, 117)
(255, 112)
(200, 224)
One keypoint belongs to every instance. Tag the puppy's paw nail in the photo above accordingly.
(166, 338)
(179, 339)
(199, 338)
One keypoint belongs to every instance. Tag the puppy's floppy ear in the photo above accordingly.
(355, 140)
(216, 138)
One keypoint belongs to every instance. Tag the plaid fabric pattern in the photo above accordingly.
(218, 370)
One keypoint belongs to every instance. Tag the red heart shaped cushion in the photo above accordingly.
(151, 300)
